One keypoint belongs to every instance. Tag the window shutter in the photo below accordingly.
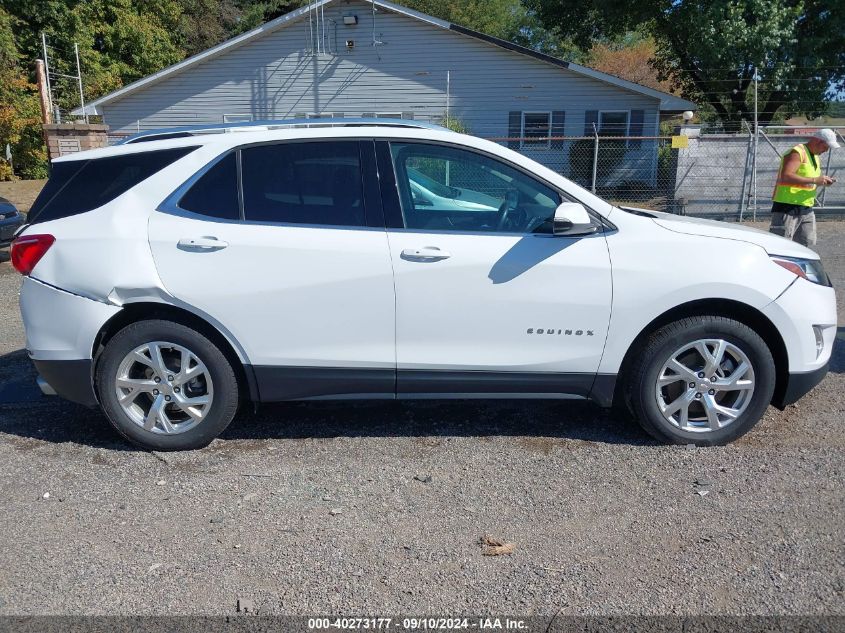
(558, 121)
(514, 129)
(635, 128)
(591, 117)
(408, 115)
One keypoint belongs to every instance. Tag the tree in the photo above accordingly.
(119, 40)
(710, 49)
(205, 23)
(20, 115)
(629, 60)
(505, 19)
(253, 13)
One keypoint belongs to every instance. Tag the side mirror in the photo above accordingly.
(572, 219)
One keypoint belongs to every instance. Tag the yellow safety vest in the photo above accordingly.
(802, 195)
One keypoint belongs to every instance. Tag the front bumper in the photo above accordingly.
(799, 385)
(803, 309)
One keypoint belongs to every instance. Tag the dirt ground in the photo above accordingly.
(21, 193)
(378, 508)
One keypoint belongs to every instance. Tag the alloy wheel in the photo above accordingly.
(164, 388)
(705, 386)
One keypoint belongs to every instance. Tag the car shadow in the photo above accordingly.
(525, 255)
(837, 358)
(26, 413)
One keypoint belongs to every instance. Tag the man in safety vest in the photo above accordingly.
(795, 188)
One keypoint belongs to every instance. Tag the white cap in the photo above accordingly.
(828, 137)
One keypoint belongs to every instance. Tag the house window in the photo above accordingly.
(237, 118)
(388, 115)
(613, 123)
(536, 129)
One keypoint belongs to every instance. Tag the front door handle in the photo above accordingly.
(425, 254)
(203, 244)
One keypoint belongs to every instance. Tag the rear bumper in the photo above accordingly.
(799, 385)
(60, 332)
(60, 325)
(69, 379)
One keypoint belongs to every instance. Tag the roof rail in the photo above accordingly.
(259, 126)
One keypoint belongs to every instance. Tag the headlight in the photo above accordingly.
(809, 269)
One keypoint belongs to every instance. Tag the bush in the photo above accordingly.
(454, 124)
(582, 154)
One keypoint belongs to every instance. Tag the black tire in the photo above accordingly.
(641, 384)
(224, 403)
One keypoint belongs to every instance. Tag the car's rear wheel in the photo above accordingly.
(704, 380)
(165, 386)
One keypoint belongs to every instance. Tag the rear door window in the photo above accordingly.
(79, 186)
(311, 183)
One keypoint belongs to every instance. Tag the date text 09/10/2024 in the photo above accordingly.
(417, 624)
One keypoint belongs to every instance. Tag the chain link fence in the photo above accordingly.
(696, 172)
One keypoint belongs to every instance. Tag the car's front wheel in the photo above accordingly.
(165, 386)
(703, 380)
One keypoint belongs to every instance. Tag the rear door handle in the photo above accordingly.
(207, 243)
(426, 253)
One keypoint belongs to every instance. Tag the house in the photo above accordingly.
(353, 58)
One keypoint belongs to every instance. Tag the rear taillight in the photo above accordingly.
(27, 251)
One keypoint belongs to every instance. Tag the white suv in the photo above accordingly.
(175, 276)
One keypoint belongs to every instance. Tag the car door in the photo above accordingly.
(293, 264)
(488, 299)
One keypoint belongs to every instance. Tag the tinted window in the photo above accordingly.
(537, 128)
(445, 188)
(303, 183)
(216, 192)
(613, 124)
(75, 187)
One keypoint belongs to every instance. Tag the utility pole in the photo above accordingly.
(448, 92)
(595, 157)
(756, 138)
(47, 71)
(43, 95)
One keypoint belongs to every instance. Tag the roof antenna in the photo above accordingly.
(311, 28)
(316, 9)
(376, 42)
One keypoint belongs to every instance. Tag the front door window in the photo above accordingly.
(448, 189)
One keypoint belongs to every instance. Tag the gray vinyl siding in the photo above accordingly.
(275, 76)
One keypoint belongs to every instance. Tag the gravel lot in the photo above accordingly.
(315, 508)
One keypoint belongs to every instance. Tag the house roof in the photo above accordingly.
(668, 102)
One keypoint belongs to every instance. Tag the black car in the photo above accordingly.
(10, 221)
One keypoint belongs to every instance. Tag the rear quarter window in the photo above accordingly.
(215, 194)
(76, 187)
